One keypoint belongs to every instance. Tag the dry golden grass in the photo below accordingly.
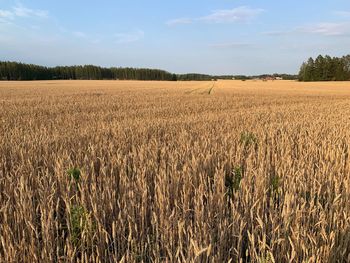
(174, 171)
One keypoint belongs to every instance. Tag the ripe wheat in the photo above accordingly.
(122, 171)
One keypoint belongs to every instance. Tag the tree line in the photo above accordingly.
(199, 77)
(320, 69)
(21, 71)
(325, 69)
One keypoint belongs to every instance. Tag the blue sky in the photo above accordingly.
(206, 36)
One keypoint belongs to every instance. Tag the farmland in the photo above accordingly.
(129, 171)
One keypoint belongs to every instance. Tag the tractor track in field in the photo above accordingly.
(202, 91)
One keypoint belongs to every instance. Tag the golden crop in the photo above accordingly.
(174, 171)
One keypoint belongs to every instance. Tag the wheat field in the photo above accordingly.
(127, 171)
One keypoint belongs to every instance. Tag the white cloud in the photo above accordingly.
(130, 37)
(235, 15)
(22, 11)
(232, 45)
(5, 14)
(327, 29)
(240, 14)
(179, 21)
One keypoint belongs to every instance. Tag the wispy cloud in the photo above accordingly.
(235, 15)
(277, 32)
(179, 21)
(242, 14)
(96, 41)
(20, 11)
(5, 14)
(122, 38)
(327, 29)
(90, 38)
(79, 34)
(342, 13)
(322, 29)
(230, 45)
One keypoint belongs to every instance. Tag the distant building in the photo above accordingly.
(279, 78)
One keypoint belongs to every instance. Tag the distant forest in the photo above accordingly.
(320, 69)
(21, 71)
(325, 69)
